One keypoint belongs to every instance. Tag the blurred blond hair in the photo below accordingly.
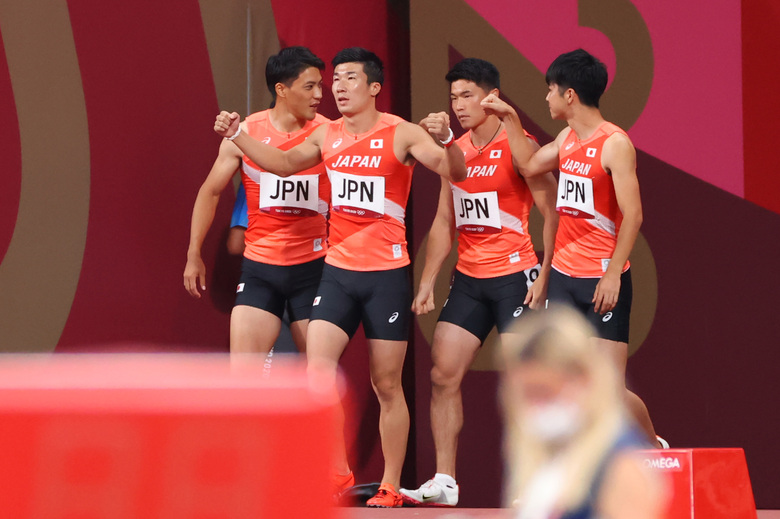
(561, 339)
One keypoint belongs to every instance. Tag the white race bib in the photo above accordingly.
(357, 195)
(575, 196)
(297, 195)
(476, 212)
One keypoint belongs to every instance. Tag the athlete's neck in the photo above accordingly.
(284, 121)
(361, 122)
(585, 121)
(483, 134)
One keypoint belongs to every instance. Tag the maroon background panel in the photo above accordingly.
(760, 48)
(150, 106)
(11, 153)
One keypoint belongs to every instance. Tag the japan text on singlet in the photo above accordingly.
(287, 216)
(369, 191)
(491, 212)
(589, 215)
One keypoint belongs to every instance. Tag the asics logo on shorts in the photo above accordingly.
(316, 301)
(517, 312)
(393, 317)
(240, 288)
(607, 317)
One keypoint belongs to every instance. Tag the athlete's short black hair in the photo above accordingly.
(481, 72)
(287, 65)
(582, 72)
(372, 65)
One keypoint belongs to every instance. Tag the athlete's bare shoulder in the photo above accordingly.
(618, 154)
(619, 140)
(562, 135)
(317, 136)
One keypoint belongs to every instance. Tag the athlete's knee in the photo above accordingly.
(387, 387)
(446, 378)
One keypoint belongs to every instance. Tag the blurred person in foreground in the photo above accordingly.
(570, 443)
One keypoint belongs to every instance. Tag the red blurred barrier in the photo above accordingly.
(166, 436)
(706, 483)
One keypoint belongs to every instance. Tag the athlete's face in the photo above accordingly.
(465, 97)
(556, 101)
(303, 96)
(351, 89)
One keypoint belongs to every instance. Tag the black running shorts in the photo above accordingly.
(578, 293)
(379, 299)
(271, 287)
(476, 305)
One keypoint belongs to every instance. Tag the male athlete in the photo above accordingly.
(286, 237)
(369, 156)
(598, 202)
(497, 277)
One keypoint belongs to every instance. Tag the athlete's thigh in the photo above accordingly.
(253, 330)
(256, 288)
(298, 331)
(386, 297)
(386, 360)
(465, 307)
(508, 294)
(617, 351)
(325, 342)
(453, 349)
(335, 301)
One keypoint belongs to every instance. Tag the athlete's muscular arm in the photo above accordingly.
(283, 163)
(529, 160)
(543, 189)
(619, 158)
(447, 162)
(226, 164)
(436, 251)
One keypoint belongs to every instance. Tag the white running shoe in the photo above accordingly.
(431, 493)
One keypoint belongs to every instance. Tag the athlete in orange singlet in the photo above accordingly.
(497, 277)
(598, 202)
(286, 238)
(369, 156)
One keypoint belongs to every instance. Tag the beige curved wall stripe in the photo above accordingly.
(620, 21)
(240, 35)
(436, 25)
(40, 272)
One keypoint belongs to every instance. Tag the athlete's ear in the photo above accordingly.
(374, 88)
(495, 92)
(281, 90)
